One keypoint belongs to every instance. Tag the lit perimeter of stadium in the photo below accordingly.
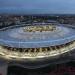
(36, 46)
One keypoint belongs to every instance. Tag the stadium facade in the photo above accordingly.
(36, 46)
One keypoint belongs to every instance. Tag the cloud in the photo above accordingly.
(37, 6)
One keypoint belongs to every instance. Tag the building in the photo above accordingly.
(36, 46)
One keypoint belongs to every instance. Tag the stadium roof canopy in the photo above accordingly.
(17, 38)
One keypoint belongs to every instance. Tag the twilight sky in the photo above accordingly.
(37, 6)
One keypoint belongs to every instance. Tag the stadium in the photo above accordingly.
(36, 46)
(37, 37)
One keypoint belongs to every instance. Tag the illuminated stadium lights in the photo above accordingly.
(39, 28)
(36, 52)
(35, 44)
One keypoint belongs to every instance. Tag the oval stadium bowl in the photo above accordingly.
(36, 46)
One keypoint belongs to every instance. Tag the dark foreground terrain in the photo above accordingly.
(62, 69)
